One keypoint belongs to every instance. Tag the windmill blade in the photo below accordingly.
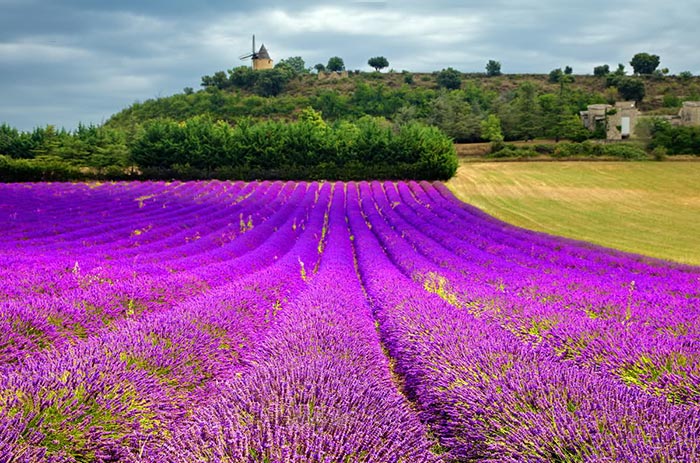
(249, 55)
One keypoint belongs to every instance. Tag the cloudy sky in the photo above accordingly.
(66, 61)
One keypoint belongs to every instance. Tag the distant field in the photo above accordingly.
(646, 208)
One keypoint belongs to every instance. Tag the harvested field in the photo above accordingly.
(647, 208)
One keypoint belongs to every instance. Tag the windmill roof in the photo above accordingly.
(262, 54)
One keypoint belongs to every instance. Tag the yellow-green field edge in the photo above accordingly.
(648, 208)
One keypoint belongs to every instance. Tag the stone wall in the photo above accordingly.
(332, 75)
(690, 113)
(260, 64)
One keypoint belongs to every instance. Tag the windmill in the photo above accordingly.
(261, 59)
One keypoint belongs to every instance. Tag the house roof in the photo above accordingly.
(262, 54)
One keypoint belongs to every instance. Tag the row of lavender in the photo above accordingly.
(283, 322)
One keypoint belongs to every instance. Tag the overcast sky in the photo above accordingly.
(66, 61)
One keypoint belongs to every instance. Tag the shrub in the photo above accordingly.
(601, 71)
(544, 149)
(38, 170)
(676, 140)
(624, 151)
(591, 149)
(660, 153)
(512, 151)
(450, 79)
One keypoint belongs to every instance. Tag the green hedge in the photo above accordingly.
(307, 149)
(565, 150)
(55, 170)
(32, 170)
(591, 149)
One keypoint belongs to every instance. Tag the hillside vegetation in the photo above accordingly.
(527, 106)
(192, 133)
(646, 208)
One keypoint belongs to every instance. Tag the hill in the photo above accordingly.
(528, 105)
(238, 126)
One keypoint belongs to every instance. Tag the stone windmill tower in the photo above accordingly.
(261, 59)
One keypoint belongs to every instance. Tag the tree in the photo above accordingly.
(295, 64)
(569, 127)
(555, 75)
(242, 77)
(601, 71)
(644, 63)
(449, 78)
(378, 63)
(491, 129)
(335, 64)
(319, 67)
(631, 89)
(452, 114)
(218, 80)
(568, 70)
(312, 117)
(493, 68)
(527, 112)
(332, 104)
(270, 82)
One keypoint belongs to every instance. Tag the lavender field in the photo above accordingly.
(330, 322)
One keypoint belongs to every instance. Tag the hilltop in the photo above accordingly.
(527, 105)
(656, 87)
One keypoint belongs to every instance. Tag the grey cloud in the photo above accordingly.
(67, 61)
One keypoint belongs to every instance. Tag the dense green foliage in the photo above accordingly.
(631, 89)
(493, 68)
(587, 149)
(201, 147)
(450, 79)
(378, 63)
(294, 65)
(88, 146)
(555, 75)
(491, 129)
(675, 139)
(268, 82)
(644, 63)
(335, 64)
(308, 148)
(527, 108)
(601, 71)
(465, 107)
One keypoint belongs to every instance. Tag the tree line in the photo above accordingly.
(202, 147)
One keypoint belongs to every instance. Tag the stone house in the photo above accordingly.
(621, 119)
